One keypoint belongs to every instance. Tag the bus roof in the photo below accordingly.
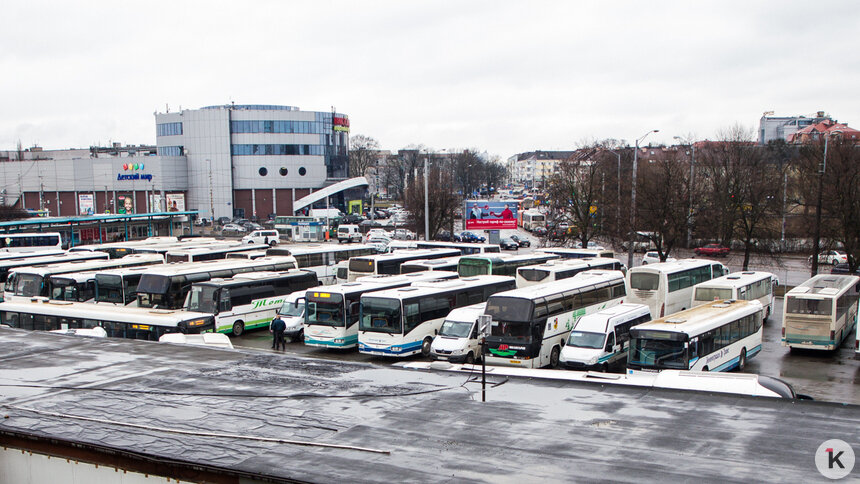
(235, 247)
(582, 280)
(700, 318)
(673, 266)
(179, 268)
(243, 278)
(825, 285)
(424, 288)
(301, 249)
(434, 262)
(564, 264)
(737, 279)
(90, 265)
(154, 317)
(409, 254)
(51, 259)
(380, 282)
(510, 257)
(25, 254)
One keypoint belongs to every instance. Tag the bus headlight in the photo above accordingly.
(395, 349)
(338, 341)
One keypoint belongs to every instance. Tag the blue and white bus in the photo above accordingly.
(402, 322)
(331, 317)
(718, 336)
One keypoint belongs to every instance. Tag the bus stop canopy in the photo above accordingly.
(328, 191)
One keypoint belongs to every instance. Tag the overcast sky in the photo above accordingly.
(502, 77)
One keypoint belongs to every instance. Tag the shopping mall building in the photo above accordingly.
(231, 160)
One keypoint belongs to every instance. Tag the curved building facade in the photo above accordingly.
(254, 160)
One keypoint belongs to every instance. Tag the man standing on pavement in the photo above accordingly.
(277, 328)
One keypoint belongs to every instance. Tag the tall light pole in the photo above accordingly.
(692, 167)
(426, 202)
(816, 243)
(633, 199)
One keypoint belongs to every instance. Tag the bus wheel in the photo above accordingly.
(425, 346)
(238, 328)
(705, 369)
(742, 361)
(299, 337)
(553, 357)
(470, 358)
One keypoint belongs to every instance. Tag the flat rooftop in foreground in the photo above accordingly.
(245, 414)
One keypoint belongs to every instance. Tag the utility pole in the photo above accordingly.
(426, 203)
(816, 243)
(211, 198)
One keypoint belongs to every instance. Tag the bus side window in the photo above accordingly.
(610, 342)
(694, 348)
(226, 304)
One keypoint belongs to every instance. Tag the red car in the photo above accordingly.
(715, 250)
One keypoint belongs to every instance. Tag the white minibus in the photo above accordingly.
(30, 241)
(458, 340)
(600, 341)
(718, 336)
(820, 313)
(667, 287)
(746, 285)
(402, 322)
(531, 325)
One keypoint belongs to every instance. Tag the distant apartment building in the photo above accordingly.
(817, 131)
(784, 127)
(535, 168)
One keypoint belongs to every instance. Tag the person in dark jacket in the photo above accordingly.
(277, 328)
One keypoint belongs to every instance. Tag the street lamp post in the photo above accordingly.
(633, 199)
(692, 167)
(816, 243)
(426, 202)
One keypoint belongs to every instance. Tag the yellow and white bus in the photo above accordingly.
(820, 313)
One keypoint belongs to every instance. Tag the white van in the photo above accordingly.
(349, 233)
(601, 339)
(293, 314)
(270, 237)
(458, 340)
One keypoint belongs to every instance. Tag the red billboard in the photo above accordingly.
(482, 214)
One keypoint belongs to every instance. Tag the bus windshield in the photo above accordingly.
(291, 310)
(513, 332)
(361, 265)
(380, 315)
(583, 339)
(28, 285)
(456, 329)
(203, 299)
(713, 293)
(817, 307)
(473, 267)
(644, 281)
(109, 288)
(509, 309)
(326, 310)
(658, 353)
(533, 275)
(63, 289)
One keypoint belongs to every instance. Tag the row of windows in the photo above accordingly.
(263, 171)
(29, 241)
(168, 129)
(243, 295)
(570, 300)
(688, 278)
(439, 305)
(40, 322)
(729, 333)
(262, 149)
(328, 258)
(300, 127)
(171, 151)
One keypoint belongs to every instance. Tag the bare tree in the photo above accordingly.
(759, 203)
(442, 201)
(576, 191)
(664, 202)
(363, 154)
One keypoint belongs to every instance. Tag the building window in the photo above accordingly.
(267, 149)
(168, 129)
(171, 151)
(283, 171)
(302, 171)
(263, 171)
(302, 127)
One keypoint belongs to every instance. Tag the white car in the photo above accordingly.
(378, 243)
(235, 228)
(270, 237)
(403, 234)
(832, 257)
(653, 257)
(376, 233)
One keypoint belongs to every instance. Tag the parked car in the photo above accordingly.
(222, 220)
(443, 236)
(521, 241)
(712, 250)
(832, 257)
(379, 243)
(507, 243)
(653, 257)
(271, 237)
(376, 233)
(403, 234)
(843, 269)
(233, 229)
(348, 233)
(540, 231)
(467, 236)
(352, 218)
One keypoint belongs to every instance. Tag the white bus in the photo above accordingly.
(7, 265)
(530, 325)
(465, 248)
(27, 282)
(121, 249)
(117, 287)
(718, 336)
(332, 314)
(746, 286)
(820, 313)
(382, 264)
(246, 301)
(499, 265)
(118, 322)
(667, 287)
(30, 241)
(421, 265)
(167, 286)
(402, 322)
(533, 219)
(214, 252)
(570, 253)
(556, 270)
(322, 258)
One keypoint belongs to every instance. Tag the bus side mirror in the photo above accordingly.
(484, 324)
(296, 304)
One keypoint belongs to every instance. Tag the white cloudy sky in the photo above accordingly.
(500, 76)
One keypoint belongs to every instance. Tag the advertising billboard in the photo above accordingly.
(175, 202)
(86, 204)
(482, 214)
